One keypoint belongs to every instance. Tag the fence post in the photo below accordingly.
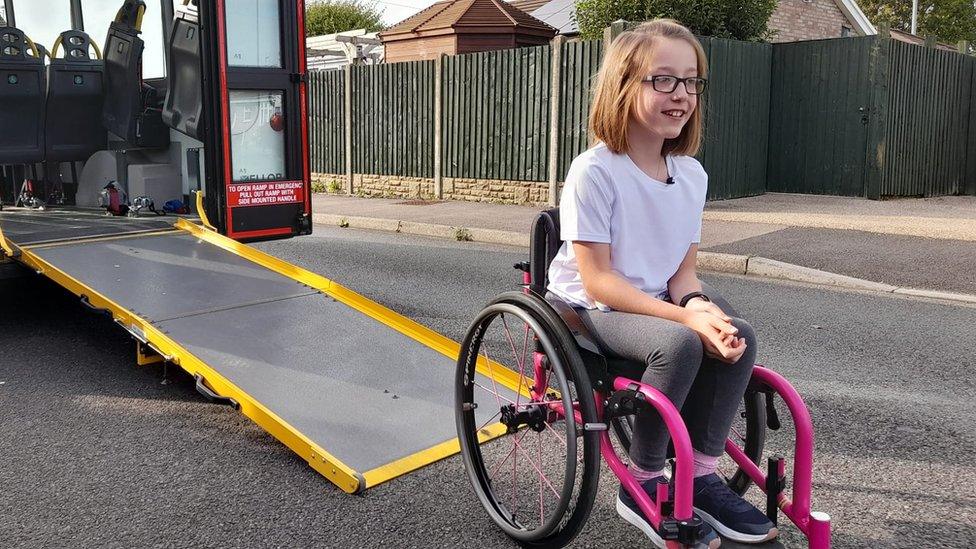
(555, 101)
(970, 185)
(438, 126)
(963, 47)
(347, 109)
(612, 32)
(878, 114)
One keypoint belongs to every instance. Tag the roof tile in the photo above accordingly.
(467, 13)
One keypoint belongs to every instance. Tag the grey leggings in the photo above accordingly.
(706, 390)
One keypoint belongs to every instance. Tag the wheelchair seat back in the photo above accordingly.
(544, 244)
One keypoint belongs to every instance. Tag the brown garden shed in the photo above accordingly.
(463, 26)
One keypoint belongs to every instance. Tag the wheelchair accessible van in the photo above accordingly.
(556, 395)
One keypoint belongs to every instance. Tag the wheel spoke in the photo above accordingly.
(515, 472)
(537, 469)
(491, 374)
(492, 418)
(520, 361)
(542, 504)
(516, 445)
(498, 396)
(554, 433)
(508, 455)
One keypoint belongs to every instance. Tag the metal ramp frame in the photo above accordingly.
(361, 392)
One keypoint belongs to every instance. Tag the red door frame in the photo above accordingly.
(300, 80)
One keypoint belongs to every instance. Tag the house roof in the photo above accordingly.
(918, 40)
(528, 6)
(457, 14)
(857, 18)
(559, 14)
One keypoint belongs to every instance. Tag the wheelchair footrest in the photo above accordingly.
(686, 532)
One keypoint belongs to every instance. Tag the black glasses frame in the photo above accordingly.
(658, 82)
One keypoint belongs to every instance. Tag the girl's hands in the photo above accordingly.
(707, 307)
(737, 344)
(717, 335)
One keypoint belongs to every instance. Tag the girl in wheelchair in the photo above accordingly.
(631, 213)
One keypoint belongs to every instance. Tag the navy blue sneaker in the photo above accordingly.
(732, 516)
(628, 509)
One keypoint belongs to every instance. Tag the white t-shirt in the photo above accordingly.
(649, 224)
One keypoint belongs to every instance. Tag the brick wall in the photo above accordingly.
(795, 20)
(472, 190)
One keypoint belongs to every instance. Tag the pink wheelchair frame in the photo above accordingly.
(615, 396)
(814, 525)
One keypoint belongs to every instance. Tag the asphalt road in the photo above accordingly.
(97, 452)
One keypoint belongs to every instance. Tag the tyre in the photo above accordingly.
(537, 477)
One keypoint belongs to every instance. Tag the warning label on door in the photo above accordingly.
(265, 194)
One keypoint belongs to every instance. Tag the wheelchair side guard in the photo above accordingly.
(684, 464)
(814, 525)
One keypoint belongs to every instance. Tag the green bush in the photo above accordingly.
(736, 19)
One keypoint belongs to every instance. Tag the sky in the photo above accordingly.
(395, 11)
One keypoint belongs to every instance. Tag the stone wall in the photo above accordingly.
(795, 20)
(472, 190)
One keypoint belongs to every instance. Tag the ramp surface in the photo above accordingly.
(32, 227)
(361, 393)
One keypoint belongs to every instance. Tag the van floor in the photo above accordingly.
(28, 227)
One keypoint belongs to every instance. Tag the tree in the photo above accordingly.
(949, 20)
(738, 19)
(332, 16)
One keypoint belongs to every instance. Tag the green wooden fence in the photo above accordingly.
(863, 116)
(971, 148)
(326, 128)
(929, 102)
(496, 114)
(736, 117)
(393, 119)
(580, 64)
(818, 122)
(871, 116)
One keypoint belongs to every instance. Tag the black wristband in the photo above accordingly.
(692, 295)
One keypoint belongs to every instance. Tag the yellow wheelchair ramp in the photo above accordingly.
(360, 392)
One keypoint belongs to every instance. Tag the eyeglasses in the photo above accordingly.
(666, 83)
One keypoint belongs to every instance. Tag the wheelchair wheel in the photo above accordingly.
(748, 431)
(538, 478)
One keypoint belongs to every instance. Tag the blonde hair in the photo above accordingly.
(626, 63)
